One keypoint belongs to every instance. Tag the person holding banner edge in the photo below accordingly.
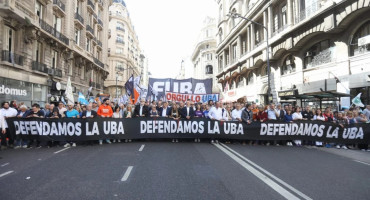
(141, 110)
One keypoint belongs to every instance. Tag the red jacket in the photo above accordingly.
(262, 116)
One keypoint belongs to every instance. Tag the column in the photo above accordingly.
(290, 12)
(248, 47)
(240, 46)
(224, 55)
(270, 21)
(265, 23)
(253, 37)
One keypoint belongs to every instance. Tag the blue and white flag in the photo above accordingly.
(82, 99)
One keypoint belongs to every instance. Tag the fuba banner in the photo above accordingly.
(176, 97)
(67, 129)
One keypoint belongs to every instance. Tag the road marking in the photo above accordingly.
(3, 165)
(142, 147)
(362, 162)
(6, 173)
(127, 173)
(62, 150)
(269, 174)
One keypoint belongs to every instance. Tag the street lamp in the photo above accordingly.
(237, 15)
(117, 84)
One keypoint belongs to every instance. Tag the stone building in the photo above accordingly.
(204, 54)
(318, 50)
(43, 42)
(124, 50)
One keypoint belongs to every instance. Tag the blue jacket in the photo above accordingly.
(25, 114)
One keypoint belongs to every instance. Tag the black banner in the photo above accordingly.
(68, 129)
(159, 87)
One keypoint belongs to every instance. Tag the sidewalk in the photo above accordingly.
(354, 154)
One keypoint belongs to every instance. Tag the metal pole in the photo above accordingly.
(116, 86)
(236, 15)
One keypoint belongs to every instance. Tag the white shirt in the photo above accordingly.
(271, 114)
(318, 117)
(296, 116)
(216, 113)
(164, 112)
(236, 114)
(187, 108)
(88, 113)
(2, 120)
(10, 112)
(141, 110)
(117, 115)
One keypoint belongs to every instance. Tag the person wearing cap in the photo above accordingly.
(105, 110)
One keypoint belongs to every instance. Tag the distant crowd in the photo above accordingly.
(242, 112)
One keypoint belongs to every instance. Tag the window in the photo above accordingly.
(77, 36)
(57, 23)
(119, 50)
(220, 63)
(220, 36)
(38, 52)
(234, 53)
(259, 34)
(288, 65)
(250, 78)
(120, 26)
(39, 10)
(119, 66)
(89, 19)
(9, 39)
(78, 7)
(88, 41)
(356, 46)
(209, 69)
(120, 39)
(320, 53)
(55, 59)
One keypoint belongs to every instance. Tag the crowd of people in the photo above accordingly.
(242, 112)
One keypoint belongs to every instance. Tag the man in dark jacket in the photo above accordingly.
(164, 111)
(188, 111)
(141, 110)
(307, 113)
(89, 112)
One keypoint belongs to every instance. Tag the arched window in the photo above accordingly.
(320, 53)
(358, 47)
(288, 65)
(209, 69)
(250, 78)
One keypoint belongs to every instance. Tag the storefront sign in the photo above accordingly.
(12, 91)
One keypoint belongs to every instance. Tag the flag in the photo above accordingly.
(62, 99)
(129, 86)
(82, 99)
(357, 101)
(69, 92)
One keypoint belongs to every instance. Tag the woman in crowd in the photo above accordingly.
(153, 112)
(288, 118)
(206, 111)
(319, 116)
(262, 114)
(228, 112)
(328, 115)
(360, 117)
(175, 115)
(198, 112)
(297, 115)
(117, 115)
(128, 113)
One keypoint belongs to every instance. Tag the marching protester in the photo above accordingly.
(281, 113)
(61, 108)
(272, 113)
(164, 111)
(366, 112)
(255, 111)
(198, 112)
(153, 112)
(71, 113)
(288, 118)
(23, 111)
(128, 113)
(105, 110)
(236, 114)
(36, 112)
(141, 110)
(89, 113)
(247, 114)
(262, 114)
(307, 113)
(217, 113)
(297, 115)
(187, 111)
(95, 106)
(55, 114)
(6, 112)
(206, 111)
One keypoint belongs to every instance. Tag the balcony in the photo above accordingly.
(279, 30)
(100, 23)
(99, 63)
(41, 67)
(95, 18)
(100, 44)
(120, 41)
(120, 28)
(89, 31)
(51, 30)
(90, 5)
(59, 7)
(11, 57)
(79, 20)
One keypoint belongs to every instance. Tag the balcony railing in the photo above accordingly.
(99, 43)
(12, 57)
(90, 3)
(100, 22)
(60, 4)
(89, 29)
(308, 11)
(45, 26)
(79, 18)
(120, 28)
(98, 62)
(280, 29)
(41, 67)
(120, 41)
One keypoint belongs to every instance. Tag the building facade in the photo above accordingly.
(43, 42)
(317, 48)
(204, 54)
(124, 50)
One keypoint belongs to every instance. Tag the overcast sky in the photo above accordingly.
(168, 31)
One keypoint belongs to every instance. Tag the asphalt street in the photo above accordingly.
(164, 170)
